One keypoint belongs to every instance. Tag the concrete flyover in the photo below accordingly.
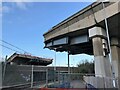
(85, 32)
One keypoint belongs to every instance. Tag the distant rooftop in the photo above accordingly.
(23, 59)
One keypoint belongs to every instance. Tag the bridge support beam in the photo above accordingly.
(102, 63)
(115, 48)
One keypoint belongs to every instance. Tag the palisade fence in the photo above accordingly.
(46, 77)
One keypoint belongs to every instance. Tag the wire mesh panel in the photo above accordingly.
(68, 80)
(16, 75)
(41, 77)
(51, 76)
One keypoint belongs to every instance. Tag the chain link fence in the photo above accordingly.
(30, 76)
(47, 77)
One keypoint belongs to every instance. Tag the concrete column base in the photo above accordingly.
(119, 83)
(100, 82)
(116, 60)
(100, 49)
(102, 66)
(115, 67)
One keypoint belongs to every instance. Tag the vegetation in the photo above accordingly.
(85, 67)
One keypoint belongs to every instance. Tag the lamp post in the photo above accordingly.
(73, 65)
(55, 61)
(32, 76)
(55, 66)
(68, 63)
(71, 69)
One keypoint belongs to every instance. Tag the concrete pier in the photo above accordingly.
(73, 33)
(102, 63)
(115, 48)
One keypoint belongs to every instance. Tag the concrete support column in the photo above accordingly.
(102, 63)
(115, 48)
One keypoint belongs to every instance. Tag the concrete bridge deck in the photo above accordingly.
(86, 32)
(67, 34)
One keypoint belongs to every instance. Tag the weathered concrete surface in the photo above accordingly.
(80, 23)
(102, 63)
(83, 20)
(115, 48)
(100, 82)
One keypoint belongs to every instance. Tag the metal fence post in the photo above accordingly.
(58, 77)
(4, 69)
(46, 77)
(1, 80)
(32, 77)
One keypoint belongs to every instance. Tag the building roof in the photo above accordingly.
(28, 59)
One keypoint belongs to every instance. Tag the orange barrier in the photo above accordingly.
(63, 89)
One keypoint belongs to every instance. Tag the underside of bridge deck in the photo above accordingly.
(73, 36)
(78, 41)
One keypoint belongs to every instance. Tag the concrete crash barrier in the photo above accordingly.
(101, 82)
